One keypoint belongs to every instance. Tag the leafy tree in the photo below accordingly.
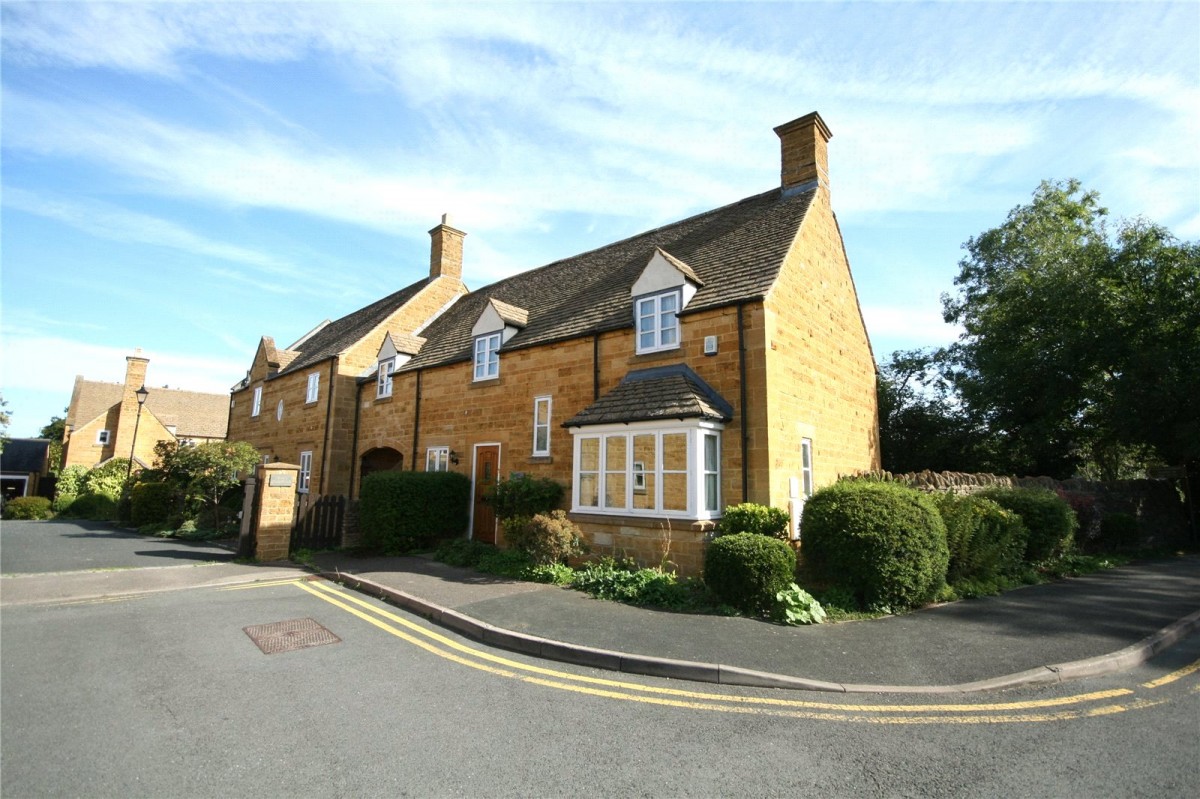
(5, 418)
(54, 430)
(1080, 344)
(206, 471)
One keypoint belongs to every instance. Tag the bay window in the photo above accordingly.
(648, 469)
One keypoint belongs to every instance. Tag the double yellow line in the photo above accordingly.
(1088, 705)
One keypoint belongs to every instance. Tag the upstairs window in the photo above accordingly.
(541, 426)
(383, 384)
(256, 408)
(487, 357)
(656, 322)
(102, 436)
(314, 383)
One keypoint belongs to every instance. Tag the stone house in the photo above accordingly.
(716, 360)
(297, 404)
(102, 417)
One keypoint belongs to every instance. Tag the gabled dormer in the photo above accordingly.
(498, 323)
(662, 290)
(396, 350)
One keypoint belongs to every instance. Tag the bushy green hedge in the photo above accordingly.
(525, 496)
(96, 507)
(882, 542)
(985, 540)
(751, 518)
(747, 570)
(27, 508)
(70, 482)
(402, 511)
(547, 538)
(151, 503)
(107, 479)
(1048, 517)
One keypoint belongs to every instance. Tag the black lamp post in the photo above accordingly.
(141, 393)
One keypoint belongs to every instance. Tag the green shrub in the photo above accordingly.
(70, 483)
(1119, 530)
(607, 579)
(107, 479)
(751, 518)
(545, 538)
(150, 503)
(883, 542)
(461, 552)
(27, 508)
(96, 507)
(504, 563)
(524, 496)
(795, 606)
(984, 539)
(554, 574)
(1048, 518)
(402, 511)
(747, 570)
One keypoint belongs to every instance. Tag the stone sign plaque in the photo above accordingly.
(279, 481)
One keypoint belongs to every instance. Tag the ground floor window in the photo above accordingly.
(437, 459)
(305, 471)
(648, 469)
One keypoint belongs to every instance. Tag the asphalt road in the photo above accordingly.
(166, 695)
(57, 546)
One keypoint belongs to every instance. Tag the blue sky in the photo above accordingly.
(187, 177)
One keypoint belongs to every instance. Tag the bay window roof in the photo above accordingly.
(663, 392)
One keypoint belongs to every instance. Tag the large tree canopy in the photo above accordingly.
(1080, 344)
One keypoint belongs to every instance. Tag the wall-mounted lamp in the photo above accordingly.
(454, 457)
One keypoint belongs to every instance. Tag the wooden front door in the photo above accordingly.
(487, 467)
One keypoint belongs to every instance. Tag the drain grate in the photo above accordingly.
(284, 636)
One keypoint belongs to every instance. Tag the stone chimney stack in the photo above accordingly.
(446, 255)
(135, 378)
(804, 143)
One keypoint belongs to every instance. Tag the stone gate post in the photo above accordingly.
(277, 510)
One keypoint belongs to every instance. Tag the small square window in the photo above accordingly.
(102, 436)
(437, 459)
(313, 390)
(487, 357)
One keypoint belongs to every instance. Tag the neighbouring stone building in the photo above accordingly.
(102, 417)
(716, 360)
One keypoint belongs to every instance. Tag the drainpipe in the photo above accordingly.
(327, 456)
(354, 440)
(742, 402)
(595, 366)
(412, 466)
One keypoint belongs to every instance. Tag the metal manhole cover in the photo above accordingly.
(284, 636)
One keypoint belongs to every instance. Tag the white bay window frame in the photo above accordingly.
(634, 476)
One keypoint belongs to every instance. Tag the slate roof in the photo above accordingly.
(340, 334)
(663, 392)
(735, 252)
(193, 413)
(24, 455)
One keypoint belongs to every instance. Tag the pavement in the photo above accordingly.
(1080, 627)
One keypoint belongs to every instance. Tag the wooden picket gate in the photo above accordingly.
(319, 524)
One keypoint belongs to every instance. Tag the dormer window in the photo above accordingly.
(657, 323)
(487, 357)
(383, 383)
(662, 290)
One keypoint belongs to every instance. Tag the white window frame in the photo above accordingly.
(542, 425)
(103, 437)
(806, 467)
(305, 472)
(649, 317)
(710, 472)
(313, 390)
(256, 406)
(636, 479)
(437, 459)
(383, 383)
(487, 356)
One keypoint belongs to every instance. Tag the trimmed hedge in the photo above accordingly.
(403, 511)
(525, 496)
(747, 570)
(96, 507)
(985, 540)
(749, 517)
(28, 508)
(883, 542)
(1047, 516)
(150, 503)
